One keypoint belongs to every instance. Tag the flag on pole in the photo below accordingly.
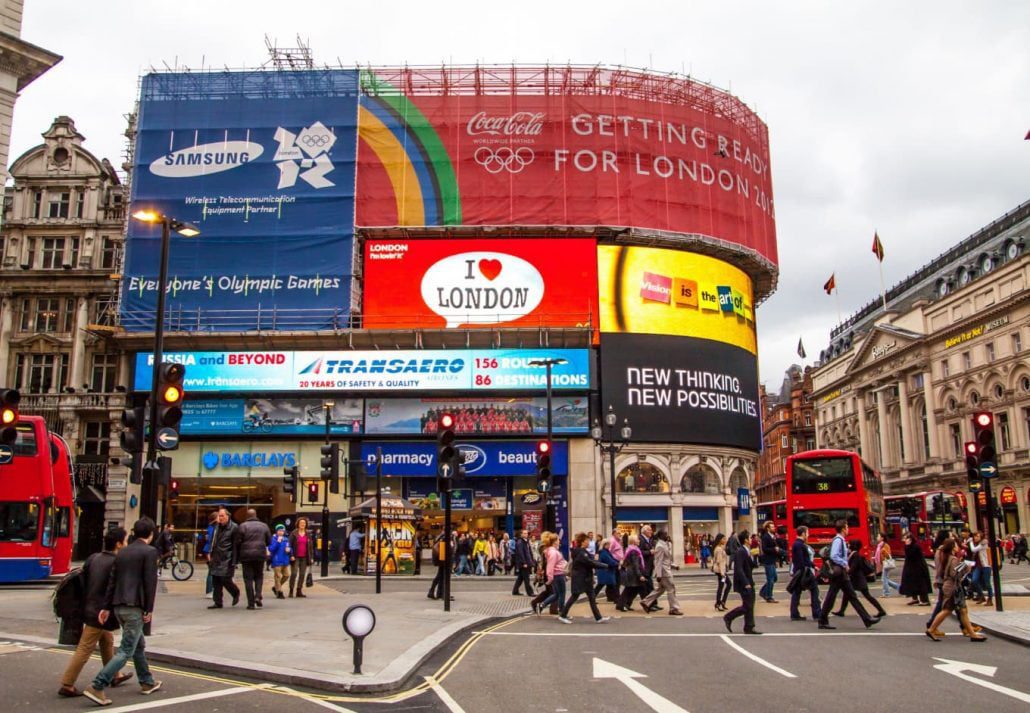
(801, 349)
(877, 247)
(830, 285)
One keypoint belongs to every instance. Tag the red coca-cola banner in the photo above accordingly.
(565, 160)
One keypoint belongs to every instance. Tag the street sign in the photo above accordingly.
(167, 439)
(6, 453)
(988, 470)
(116, 484)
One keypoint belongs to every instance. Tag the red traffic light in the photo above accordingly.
(983, 419)
(446, 421)
(543, 447)
(971, 448)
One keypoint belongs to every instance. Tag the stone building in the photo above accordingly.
(60, 257)
(900, 386)
(788, 427)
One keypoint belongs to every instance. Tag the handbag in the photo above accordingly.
(310, 582)
(889, 564)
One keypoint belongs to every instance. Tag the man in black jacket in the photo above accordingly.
(770, 557)
(222, 558)
(254, 537)
(804, 577)
(647, 552)
(524, 562)
(96, 573)
(743, 584)
(131, 590)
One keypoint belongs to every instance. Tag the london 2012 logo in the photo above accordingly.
(304, 155)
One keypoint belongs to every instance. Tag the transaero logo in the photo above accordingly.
(205, 159)
(271, 459)
(384, 366)
(473, 457)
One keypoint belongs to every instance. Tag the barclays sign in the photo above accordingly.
(271, 459)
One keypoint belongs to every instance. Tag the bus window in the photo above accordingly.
(64, 518)
(823, 475)
(825, 518)
(781, 512)
(25, 442)
(19, 522)
(874, 528)
(49, 524)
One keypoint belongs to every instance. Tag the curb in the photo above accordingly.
(1008, 633)
(400, 670)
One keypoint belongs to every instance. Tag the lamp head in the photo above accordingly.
(147, 215)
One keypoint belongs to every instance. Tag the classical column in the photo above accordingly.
(906, 422)
(884, 456)
(6, 324)
(676, 531)
(78, 360)
(931, 417)
(863, 428)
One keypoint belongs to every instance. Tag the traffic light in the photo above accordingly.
(312, 492)
(132, 439)
(975, 483)
(169, 401)
(358, 477)
(331, 466)
(983, 432)
(290, 482)
(9, 399)
(173, 489)
(543, 466)
(445, 452)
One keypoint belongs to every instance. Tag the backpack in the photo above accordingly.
(732, 545)
(69, 597)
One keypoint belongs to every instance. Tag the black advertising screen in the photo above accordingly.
(682, 389)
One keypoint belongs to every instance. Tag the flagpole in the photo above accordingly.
(883, 290)
(836, 296)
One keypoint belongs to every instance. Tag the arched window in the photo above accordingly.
(641, 478)
(738, 480)
(701, 479)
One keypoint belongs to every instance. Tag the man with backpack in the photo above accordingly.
(131, 591)
(94, 575)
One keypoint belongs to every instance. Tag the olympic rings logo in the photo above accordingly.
(504, 159)
(312, 140)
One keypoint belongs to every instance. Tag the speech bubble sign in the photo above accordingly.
(482, 288)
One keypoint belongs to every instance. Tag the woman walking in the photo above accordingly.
(720, 562)
(885, 564)
(608, 578)
(302, 551)
(953, 597)
(915, 575)
(583, 566)
(982, 572)
(859, 570)
(631, 574)
(554, 571)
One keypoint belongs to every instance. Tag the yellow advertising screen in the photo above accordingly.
(660, 291)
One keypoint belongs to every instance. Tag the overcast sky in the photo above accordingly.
(906, 118)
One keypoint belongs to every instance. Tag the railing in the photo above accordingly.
(41, 403)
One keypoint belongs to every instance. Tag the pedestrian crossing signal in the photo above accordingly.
(543, 466)
(312, 492)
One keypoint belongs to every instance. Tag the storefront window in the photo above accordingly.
(641, 478)
(701, 479)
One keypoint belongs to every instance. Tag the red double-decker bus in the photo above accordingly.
(923, 514)
(774, 511)
(36, 497)
(824, 486)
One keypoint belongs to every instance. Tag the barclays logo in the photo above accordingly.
(473, 457)
(210, 460)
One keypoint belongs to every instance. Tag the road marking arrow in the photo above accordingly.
(956, 668)
(606, 669)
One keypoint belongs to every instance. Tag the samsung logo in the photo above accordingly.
(206, 159)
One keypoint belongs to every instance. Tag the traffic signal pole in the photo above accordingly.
(325, 509)
(379, 520)
(148, 492)
(992, 546)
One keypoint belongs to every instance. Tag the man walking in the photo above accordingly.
(131, 590)
(770, 557)
(355, 544)
(663, 566)
(743, 584)
(96, 573)
(647, 552)
(254, 540)
(222, 558)
(840, 581)
(279, 549)
(803, 578)
(524, 563)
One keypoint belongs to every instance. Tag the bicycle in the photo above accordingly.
(181, 569)
(263, 425)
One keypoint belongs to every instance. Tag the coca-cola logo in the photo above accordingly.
(521, 123)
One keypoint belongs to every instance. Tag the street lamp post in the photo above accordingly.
(148, 494)
(549, 363)
(604, 438)
(327, 406)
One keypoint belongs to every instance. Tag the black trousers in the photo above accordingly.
(631, 593)
(522, 574)
(746, 609)
(590, 598)
(253, 579)
(219, 583)
(436, 588)
(548, 590)
(864, 591)
(722, 591)
(841, 583)
(353, 558)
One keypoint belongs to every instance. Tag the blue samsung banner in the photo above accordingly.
(263, 164)
(482, 458)
(384, 371)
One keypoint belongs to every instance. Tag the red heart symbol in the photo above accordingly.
(490, 269)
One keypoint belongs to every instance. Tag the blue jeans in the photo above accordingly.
(480, 565)
(887, 583)
(557, 593)
(133, 647)
(982, 579)
(463, 565)
(770, 579)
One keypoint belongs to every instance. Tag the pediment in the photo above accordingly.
(883, 341)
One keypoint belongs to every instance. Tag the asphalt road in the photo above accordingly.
(537, 664)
